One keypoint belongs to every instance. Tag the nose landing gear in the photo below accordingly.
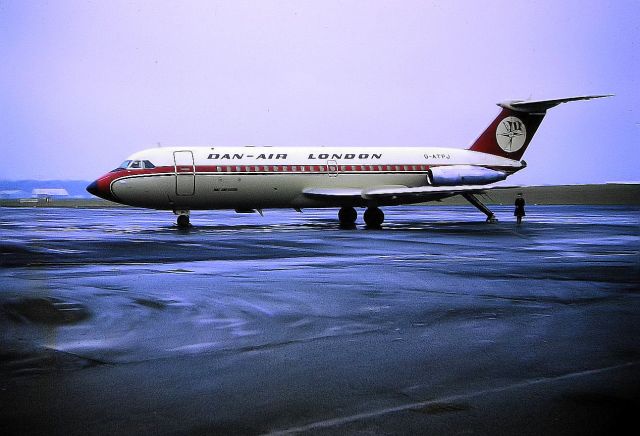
(183, 218)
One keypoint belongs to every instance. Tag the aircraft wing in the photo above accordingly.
(333, 193)
(422, 193)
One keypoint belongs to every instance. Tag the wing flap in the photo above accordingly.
(422, 191)
(333, 193)
(394, 192)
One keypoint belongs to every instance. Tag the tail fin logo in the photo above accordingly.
(511, 134)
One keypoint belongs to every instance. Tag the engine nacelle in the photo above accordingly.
(464, 175)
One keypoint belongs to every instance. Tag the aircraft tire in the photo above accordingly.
(183, 221)
(347, 216)
(374, 217)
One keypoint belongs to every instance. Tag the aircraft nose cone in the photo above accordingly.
(93, 188)
(100, 188)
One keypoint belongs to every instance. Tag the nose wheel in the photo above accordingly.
(183, 221)
(183, 218)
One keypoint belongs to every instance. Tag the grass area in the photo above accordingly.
(605, 194)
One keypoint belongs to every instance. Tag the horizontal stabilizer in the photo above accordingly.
(542, 105)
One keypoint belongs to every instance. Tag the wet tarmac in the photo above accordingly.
(116, 321)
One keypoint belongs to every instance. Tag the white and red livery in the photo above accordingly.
(253, 178)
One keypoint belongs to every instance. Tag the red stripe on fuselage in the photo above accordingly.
(267, 169)
(105, 181)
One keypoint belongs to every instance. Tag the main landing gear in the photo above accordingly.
(183, 218)
(491, 218)
(347, 217)
(373, 217)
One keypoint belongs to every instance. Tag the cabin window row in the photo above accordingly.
(318, 168)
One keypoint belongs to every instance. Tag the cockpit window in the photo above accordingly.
(134, 164)
(122, 166)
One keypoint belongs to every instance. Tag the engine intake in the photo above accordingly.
(464, 175)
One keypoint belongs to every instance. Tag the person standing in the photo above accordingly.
(519, 212)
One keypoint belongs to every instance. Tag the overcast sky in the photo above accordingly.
(83, 84)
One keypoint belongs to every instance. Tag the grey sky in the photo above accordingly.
(84, 84)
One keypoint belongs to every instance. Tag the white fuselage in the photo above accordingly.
(276, 177)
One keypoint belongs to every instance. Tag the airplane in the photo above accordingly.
(253, 178)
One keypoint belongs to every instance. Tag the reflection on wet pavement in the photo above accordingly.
(309, 321)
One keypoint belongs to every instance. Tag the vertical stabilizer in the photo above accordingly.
(512, 130)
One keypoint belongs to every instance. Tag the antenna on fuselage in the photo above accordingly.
(159, 145)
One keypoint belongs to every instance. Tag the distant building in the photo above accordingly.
(49, 193)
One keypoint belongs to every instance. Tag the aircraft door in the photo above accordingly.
(185, 172)
(332, 168)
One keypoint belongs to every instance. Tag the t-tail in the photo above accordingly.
(512, 130)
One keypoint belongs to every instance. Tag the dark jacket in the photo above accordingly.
(519, 207)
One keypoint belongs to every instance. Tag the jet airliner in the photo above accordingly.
(252, 178)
